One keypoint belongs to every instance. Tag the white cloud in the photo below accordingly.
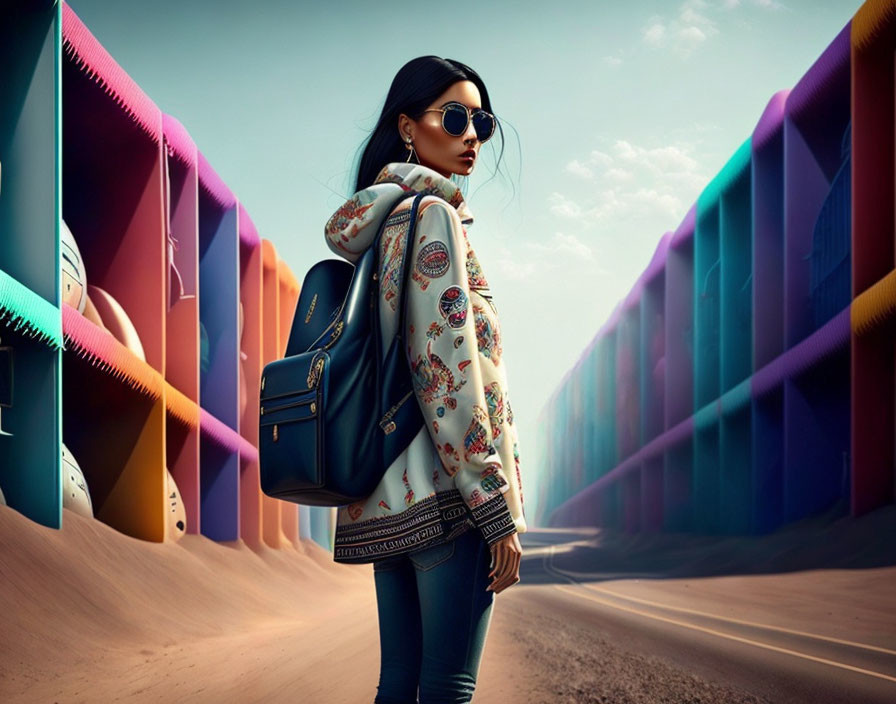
(564, 207)
(630, 181)
(694, 23)
(691, 35)
(655, 34)
(612, 61)
(564, 252)
(577, 168)
(600, 158)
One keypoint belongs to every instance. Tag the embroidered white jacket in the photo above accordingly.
(462, 469)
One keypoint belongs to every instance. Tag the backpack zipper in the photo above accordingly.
(386, 422)
(290, 405)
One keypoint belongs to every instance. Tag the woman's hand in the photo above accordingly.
(506, 555)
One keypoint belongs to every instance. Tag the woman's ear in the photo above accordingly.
(405, 127)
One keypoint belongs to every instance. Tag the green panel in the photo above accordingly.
(30, 125)
(29, 61)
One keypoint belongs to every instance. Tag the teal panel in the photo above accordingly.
(707, 276)
(736, 289)
(736, 399)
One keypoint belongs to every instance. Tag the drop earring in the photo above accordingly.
(409, 145)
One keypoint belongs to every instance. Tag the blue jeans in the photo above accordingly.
(434, 613)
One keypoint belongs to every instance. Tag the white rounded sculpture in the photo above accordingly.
(74, 277)
(75, 494)
(92, 314)
(116, 320)
(176, 512)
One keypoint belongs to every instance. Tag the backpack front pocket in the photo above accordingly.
(291, 439)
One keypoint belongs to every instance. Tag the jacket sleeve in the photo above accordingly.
(446, 368)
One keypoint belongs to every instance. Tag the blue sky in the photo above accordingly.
(616, 116)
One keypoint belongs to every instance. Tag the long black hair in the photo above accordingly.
(416, 85)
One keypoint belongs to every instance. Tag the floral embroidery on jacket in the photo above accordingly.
(462, 469)
(495, 400)
(487, 337)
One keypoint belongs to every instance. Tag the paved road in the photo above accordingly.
(702, 655)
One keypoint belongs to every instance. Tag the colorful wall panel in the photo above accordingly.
(764, 382)
(145, 294)
(30, 296)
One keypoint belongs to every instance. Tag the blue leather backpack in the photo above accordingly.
(333, 414)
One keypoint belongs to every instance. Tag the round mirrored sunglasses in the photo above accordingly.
(456, 117)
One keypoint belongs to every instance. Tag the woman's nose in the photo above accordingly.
(470, 133)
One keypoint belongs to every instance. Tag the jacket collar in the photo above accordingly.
(352, 228)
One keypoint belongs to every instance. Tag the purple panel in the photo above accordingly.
(768, 232)
(212, 184)
(769, 125)
(633, 297)
(628, 388)
(658, 260)
(829, 74)
(684, 233)
(817, 111)
(825, 341)
(679, 314)
(219, 491)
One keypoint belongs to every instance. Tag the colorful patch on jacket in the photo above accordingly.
(435, 329)
(383, 504)
(432, 260)
(491, 479)
(352, 210)
(494, 399)
(474, 271)
(453, 306)
(355, 510)
(487, 336)
(390, 274)
(433, 378)
(516, 462)
(476, 438)
(448, 452)
(476, 498)
(420, 279)
(509, 410)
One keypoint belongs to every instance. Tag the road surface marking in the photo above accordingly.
(550, 568)
(720, 617)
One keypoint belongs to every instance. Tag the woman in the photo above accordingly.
(446, 516)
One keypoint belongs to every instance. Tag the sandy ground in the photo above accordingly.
(90, 615)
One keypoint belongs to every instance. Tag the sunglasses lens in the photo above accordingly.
(455, 120)
(484, 124)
